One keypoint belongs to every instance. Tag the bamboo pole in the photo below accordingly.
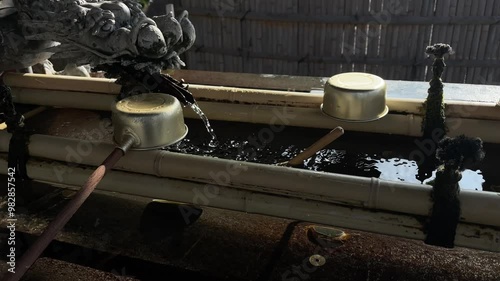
(407, 226)
(58, 92)
(477, 207)
(400, 124)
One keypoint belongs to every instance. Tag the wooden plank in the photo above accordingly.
(459, 31)
(304, 38)
(401, 42)
(348, 37)
(362, 36)
(250, 80)
(494, 73)
(316, 37)
(469, 35)
(251, 37)
(374, 33)
(318, 40)
(439, 32)
(459, 35)
(385, 40)
(477, 50)
(337, 34)
(447, 38)
(303, 7)
(454, 30)
(481, 73)
(231, 35)
(414, 8)
(424, 37)
(449, 31)
(472, 45)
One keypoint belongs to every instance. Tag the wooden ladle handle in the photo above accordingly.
(317, 146)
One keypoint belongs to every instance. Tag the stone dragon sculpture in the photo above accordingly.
(113, 36)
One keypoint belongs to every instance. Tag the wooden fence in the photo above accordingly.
(325, 37)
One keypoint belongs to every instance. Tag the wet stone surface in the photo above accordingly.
(363, 256)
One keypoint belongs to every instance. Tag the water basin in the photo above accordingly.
(389, 157)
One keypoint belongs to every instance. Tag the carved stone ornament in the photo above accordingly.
(91, 32)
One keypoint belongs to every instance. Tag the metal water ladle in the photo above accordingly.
(142, 122)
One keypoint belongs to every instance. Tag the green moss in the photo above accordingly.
(434, 107)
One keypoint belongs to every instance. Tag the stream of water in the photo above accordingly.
(213, 142)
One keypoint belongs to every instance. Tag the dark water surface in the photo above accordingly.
(387, 157)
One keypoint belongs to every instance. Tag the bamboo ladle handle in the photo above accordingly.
(315, 147)
(36, 249)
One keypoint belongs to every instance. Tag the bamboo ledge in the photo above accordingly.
(259, 106)
(26, 83)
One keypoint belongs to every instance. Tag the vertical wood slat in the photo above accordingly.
(480, 74)
(456, 9)
(414, 45)
(347, 38)
(494, 73)
(364, 37)
(374, 32)
(485, 8)
(462, 49)
(231, 35)
(335, 35)
(385, 42)
(397, 39)
(472, 39)
(301, 40)
(400, 44)
(458, 37)
(444, 33)
(452, 11)
(423, 40)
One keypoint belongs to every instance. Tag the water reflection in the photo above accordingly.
(397, 169)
